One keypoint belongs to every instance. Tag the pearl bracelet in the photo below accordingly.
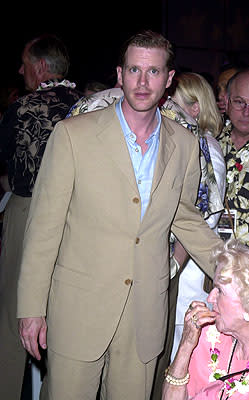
(172, 380)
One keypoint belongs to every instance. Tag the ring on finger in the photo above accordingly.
(194, 320)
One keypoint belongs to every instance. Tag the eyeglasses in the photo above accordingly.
(238, 104)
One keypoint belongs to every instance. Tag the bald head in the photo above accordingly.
(237, 101)
(238, 79)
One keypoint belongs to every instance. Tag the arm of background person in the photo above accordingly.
(219, 168)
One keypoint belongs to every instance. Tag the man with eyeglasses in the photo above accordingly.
(234, 141)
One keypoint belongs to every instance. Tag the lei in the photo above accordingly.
(54, 83)
(231, 385)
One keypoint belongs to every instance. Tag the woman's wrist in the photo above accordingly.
(174, 380)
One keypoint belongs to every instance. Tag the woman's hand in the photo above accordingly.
(197, 316)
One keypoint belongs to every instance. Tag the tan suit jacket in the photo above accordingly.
(85, 241)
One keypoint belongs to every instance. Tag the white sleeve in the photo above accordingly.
(219, 167)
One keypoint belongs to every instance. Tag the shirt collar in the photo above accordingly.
(126, 129)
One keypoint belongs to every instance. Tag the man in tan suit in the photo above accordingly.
(95, 269)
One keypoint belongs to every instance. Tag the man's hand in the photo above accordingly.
(33, 332)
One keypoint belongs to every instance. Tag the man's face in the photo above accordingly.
(221, 86)
(239, 94)
(144, 77)
(29, 71)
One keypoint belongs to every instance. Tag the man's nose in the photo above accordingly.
(221, 95)
(143, 78)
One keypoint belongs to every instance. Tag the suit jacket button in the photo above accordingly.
(135, 200)
(128, 282)
(137, 240)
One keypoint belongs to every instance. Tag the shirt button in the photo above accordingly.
(128, 282)
(139, 181)
(136, 149)
(137, 240)
(136, 200)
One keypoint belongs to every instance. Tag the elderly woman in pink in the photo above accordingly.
(212, 361)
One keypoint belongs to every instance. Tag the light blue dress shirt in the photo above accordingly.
(143, 165)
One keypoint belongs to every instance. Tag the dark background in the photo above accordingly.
(206, 34)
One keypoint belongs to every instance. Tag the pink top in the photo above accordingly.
(199, 386)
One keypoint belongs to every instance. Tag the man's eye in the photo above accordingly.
(154, 71)
(239, 102)
(133, 69)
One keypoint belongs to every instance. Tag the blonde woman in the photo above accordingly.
(196, 97)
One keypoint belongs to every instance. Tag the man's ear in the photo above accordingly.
(170, 77)
(41, 67)
(119, 76)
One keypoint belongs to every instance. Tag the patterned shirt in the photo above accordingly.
(26, 127)
(237, 163)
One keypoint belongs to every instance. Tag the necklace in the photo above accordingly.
(229, 366)
(231, 385)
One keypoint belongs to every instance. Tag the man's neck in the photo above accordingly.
(239, 140)
(142, 123)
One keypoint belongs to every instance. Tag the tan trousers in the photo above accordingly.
(12, 354)
(123, 376)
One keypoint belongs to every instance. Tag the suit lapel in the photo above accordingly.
(114, 145)
(165, 152)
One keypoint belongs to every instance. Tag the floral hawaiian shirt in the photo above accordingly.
(237, 163)
(26, 127)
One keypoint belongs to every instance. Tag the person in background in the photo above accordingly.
(9, 93)
(92, 87)
(223, 78)
(24, 131)
(234, 141)
(192, 100)
(195, 95)
(95, 269)
(212, 361)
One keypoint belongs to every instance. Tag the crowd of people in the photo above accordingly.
(139, 291)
